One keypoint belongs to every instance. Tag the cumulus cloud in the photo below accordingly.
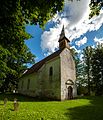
(87, 25)
(75, 19)
(50, 38)
(96, 22)
(73, 47)
(98, 40)
(81, 42)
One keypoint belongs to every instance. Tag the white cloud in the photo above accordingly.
(73, 47)
(50, 38)
(96, 22)
(98, 40)
(87, 25)
(81, 57)
(81, 42)
(76, 11)
(76, 22)
(93, 46)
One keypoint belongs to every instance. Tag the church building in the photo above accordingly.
(53, 77)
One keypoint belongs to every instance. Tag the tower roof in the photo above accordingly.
(62, 35)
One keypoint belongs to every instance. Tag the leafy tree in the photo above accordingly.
(95, 7)
(84, 76)
(80, 78)
(81, 82)
(90, 71)
(14, 15)
(88, 51)
(97, 70)
(33, 11)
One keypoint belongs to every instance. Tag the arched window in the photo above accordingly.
(28, 84)
(22, 84)
(51, 71)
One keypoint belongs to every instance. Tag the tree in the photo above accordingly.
(84, 76)
(90, 71)
(80, 75)
(88, 51)
(13, 51)
(95, 7)
(14, 15)
(33, 11)
(97, 70)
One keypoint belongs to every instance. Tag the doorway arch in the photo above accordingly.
(70, 92)
(69, 85)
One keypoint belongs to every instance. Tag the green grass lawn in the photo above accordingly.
(85, 108)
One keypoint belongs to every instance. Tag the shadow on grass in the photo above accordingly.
(11, 109)
(2, 104)
(22, 98)
(92, 111)
(11, 96)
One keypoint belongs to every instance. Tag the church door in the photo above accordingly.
(70, 92)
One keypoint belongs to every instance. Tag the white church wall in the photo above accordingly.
(23, 87)
(67, 72)
(51, 84)
(40, 83)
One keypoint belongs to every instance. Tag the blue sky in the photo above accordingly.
(79, 30)
(34, 43)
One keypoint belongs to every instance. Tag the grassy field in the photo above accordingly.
(85, 108)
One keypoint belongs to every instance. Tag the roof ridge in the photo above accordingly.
(39, 64)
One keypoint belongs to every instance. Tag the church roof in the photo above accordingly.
(38, 65)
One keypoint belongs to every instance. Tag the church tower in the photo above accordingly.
(63, 41)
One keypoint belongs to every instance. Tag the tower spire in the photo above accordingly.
(63, 41)
(62, 35)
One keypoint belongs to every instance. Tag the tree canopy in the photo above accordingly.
(90, 74)
(33, 11)
(14, 54)
(95, 7)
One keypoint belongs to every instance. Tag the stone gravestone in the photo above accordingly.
(16, 105)
(5, 101)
